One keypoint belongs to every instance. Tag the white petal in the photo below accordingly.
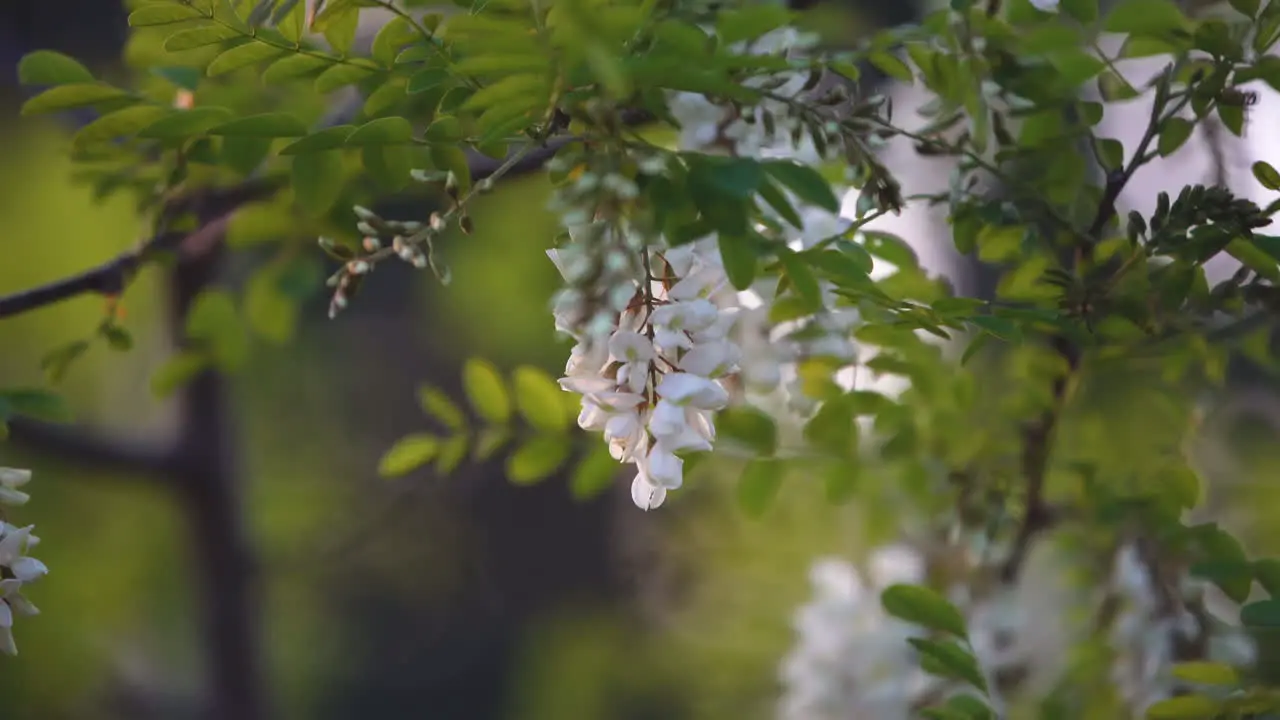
(710, 360)
(646, 495)
(7, 645)
(587, 385)
(14, 477)
(617, 401)
(6, 615)
(27, 569)
(22, 606)
(9, 496)
(665, 469)
(12, 545)
(688, 389)
(630, 347)
(593, 417)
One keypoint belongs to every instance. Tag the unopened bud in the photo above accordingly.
(364, 213)
(466, 224)
(485, 185)
(358, 267)
(371, 244)
(438, 222)
(366, 228)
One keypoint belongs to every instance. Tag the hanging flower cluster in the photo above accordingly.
(851, 660)
(1152, 624)
(653, 385)
(16, 567)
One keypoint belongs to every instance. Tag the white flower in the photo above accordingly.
(683, 388)
(10, 480)
(16, 567)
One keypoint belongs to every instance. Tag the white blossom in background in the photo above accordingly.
(16, 567)
(1149, 626)
(851, 660)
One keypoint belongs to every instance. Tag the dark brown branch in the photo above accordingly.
(87, 447)
(113, 276)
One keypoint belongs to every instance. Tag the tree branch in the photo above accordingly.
(89, 448)
(113, 276)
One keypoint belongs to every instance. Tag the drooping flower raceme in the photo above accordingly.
(16, 567)
(1151, 625)
(851, 660)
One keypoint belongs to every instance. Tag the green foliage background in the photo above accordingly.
(314, 419)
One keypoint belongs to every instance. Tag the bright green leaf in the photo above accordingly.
(538, 399)
(241, 56)
(186, 123)
(408, 454)
(68, 97)
(199, 37)
(923, 606)
(268, 125)
(47, 67)
(331, 138)
(441, 407)
(537, 458)
(383, 131)
(759, 485)
(318, 181)
(162, 13)
(486, 391)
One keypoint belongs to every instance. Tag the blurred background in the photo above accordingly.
(459, 598)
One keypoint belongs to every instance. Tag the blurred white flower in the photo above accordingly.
(17, 568)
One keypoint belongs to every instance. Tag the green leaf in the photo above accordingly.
(594, 474)
(241, 56)
(1254, 258)
(1248, 8)
(424, 80)
(176, 372)
(383, 131)
(452, 159)
(924, 607)
(832, 428)
(318, 179)
(1266, 175)
(891, 65)
(1267, 573)
(340, 76)
(806, 182)
(739, 257)
(271, 313)
(214, 321)
(268, 125)
(1264, 613)
(452, 452)
(162, 13)
(537, 458)
(441, 407)
(122, 123)
(68, 97)
(1184, 707)
(802, 279)
(199, 37)
(444, 129)
(948, 659)
(331, 138)
(408, 454)
(1173, 133)
(749, 426)
(759, 485)
(339, 22)
(186, 123)
(1146, 17)
(35, 403)
(486, 391)
(57, 362)
(388, 165)
(46, 67)
(1207, 673)
(538, 398)
(749, 23)
(490, 440)
(1084, 11)
(394, 35)
(891, 248)
(295, 66)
